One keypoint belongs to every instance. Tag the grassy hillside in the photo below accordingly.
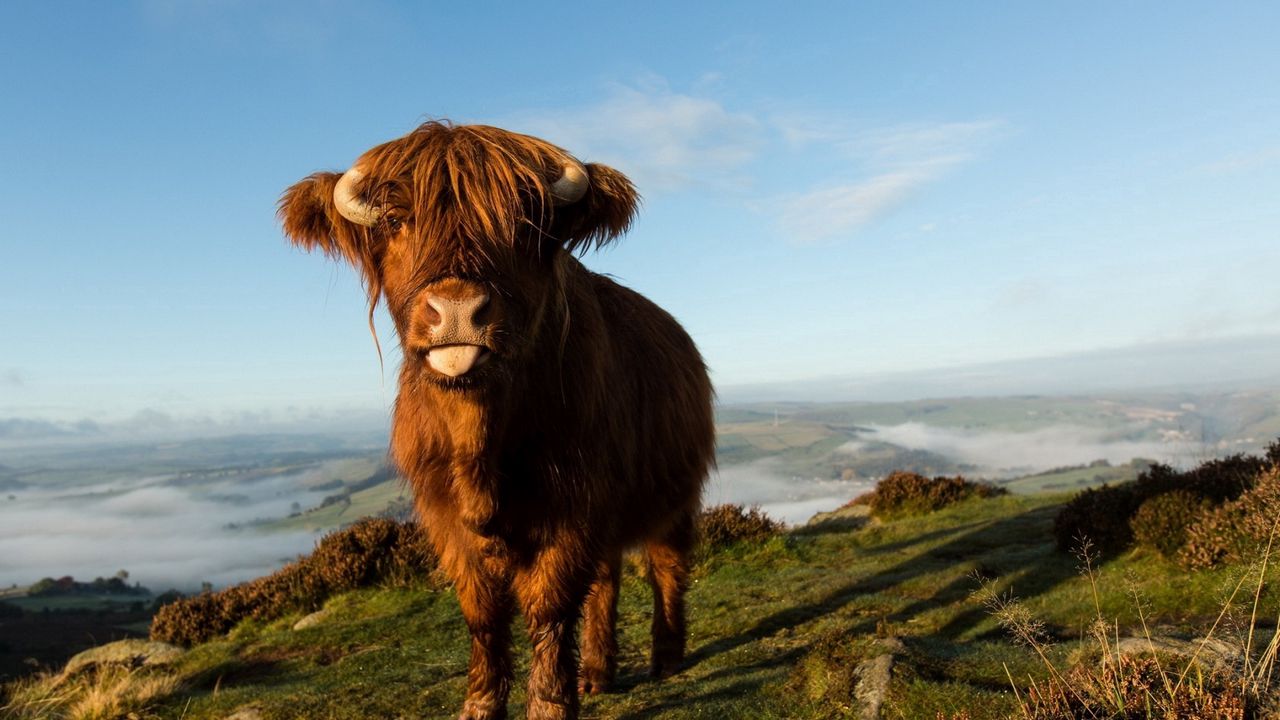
(775, 629)
(362, 503)
(1074, 478)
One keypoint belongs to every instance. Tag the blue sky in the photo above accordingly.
(829, 189)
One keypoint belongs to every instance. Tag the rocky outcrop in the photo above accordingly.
(126, 653)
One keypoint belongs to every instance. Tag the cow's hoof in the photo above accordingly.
(594, 682)
(663, 668)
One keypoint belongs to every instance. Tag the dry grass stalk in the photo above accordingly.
(1121, 685)
(110, 691)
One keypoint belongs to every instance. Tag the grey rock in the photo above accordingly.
(843, 519)
(874, 676)
(1211, 651)
(311, 620)
(129, 653)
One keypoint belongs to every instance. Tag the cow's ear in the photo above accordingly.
(305, 211)
(605, 212)
(310, 220)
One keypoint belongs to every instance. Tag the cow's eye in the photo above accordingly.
(392, 222)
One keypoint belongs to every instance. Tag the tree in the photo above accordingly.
(42, 586)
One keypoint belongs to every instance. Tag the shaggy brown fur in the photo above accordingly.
(589, 430)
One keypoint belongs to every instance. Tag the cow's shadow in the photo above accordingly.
(1017, 548)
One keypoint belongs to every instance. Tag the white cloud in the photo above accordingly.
(937, 144)
(666, 140)
(894, 163)
(663, 140)
(832, 211)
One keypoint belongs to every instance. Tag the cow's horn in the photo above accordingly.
(349, 205)
(572, 184)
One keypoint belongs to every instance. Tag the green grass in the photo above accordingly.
(751, 439)
(369, 501)
(77, 602)
(773, 628)
(1071, 479)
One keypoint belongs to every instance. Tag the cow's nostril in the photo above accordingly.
(455, 314)
(434, 314)
(477, 310)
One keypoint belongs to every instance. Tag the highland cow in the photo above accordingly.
(547, 417)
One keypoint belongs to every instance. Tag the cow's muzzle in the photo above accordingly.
(456, 329)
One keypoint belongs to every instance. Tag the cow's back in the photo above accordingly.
(661, 396)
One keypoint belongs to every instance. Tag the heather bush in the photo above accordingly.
(725, 525)
(1100, 514)
(907, 493)
(1217, 480)
(1236, 531)
(373, 551)
(1134, 687)
(1160, 523)
(1106, 515)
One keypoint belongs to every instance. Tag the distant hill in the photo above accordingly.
(1201, 366)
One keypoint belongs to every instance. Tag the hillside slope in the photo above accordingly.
(776, 629)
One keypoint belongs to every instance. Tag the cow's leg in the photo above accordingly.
(487, 608)
(669, 560)
(551, 591)
(600, 618)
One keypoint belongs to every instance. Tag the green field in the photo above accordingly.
(1075, 478)
(369, 501)
(87, 602)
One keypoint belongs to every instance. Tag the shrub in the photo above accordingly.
(1160, 523)
(371, 552)
(43, 586)
(724, 525)
(168, 596)
(1134, 687)
(1104, 515)
(908, 493)
(1100, 514)
(1217, 480)
(1235, 531)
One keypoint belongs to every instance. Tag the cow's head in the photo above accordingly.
(463, 231)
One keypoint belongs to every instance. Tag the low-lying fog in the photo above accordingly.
(792, 500)
(164, 534)
(170, 535)
(174, 534)
(1002, 453)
